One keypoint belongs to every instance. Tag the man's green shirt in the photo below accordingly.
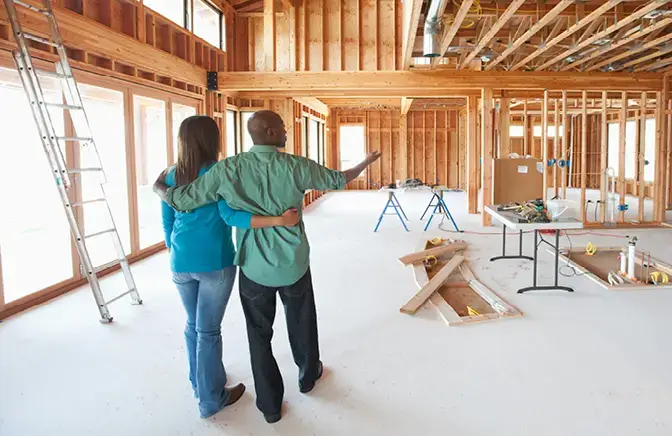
(264, 182)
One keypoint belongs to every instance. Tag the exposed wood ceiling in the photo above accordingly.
(556, 35)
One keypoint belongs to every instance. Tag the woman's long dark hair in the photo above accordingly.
(197, 145)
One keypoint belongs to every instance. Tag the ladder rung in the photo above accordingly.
(40, 39)
(102, 232)
(82, 203)
(74, 139)
(120, 296)
(52, 74)
(107, 265)
(31, 7)
(83, 170)
(65, 106)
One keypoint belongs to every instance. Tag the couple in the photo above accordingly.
(260, 192)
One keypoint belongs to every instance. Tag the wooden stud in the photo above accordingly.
(405, 104)
(486, 154)
(412, 306)
(565, 128)
(504, 132)
(584, 153)
(641, 153)
(472, 155)
(410, 29)
(403, 143)
(556, 138)
(604, 146)
(544, 145)
(621, 153)
(452, 30)
(293, 48)
(659, 162)
(526, 127)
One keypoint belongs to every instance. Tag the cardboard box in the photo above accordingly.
(517, 180)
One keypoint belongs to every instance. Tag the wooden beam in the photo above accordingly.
(440, 250)
(631, 51)
(604, 146)
(588, 19)
(544, 146)
(584, 153)
(452, 30)
(417, 83)
(545, 20)
(614, 27)
(504, 132)
(314, 103)
(556, 139)
(405, 105)
(621, 154)
(655, 55)
(565, 128)
(403, 143)
(654, 66)
(483, 42)
(472, 155)
(412, 306)
(641, 153)
(526, 127)
(486, 154)
(288, 3)
(410, 29)
(269, 35)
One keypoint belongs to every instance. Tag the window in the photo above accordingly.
(105, 111)
(323, 147)
(209, 23)
(247, 139)
(180, 113)
(630, 147)
(150, 159)
(313, 138)
(231, 133)
(174, 10)
(351, 145)
(516, 131)
(34, 233)
(550, 130)
(612, 149)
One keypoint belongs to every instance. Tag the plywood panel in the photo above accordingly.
(386, 34)
(368, 41)
(332, 35)
(315, 21)
(282, 45)
(350, 52)
(430, 148)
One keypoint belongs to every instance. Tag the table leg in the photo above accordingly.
(534, 286)
(504, 256)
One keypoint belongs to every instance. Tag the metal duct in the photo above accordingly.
(431, 45)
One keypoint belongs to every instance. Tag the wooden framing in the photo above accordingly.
(584, 152)
(269, 35)
(603, 156)
(472, 155)
(452, 30)
(486, 154)
(544, 146)
(565, 134)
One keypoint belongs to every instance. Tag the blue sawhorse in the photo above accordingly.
(441, 207)
(393, 202)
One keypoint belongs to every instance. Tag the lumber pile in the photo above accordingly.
(446, 281)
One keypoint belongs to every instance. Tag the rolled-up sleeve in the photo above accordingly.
(320, 178)
(204, 190)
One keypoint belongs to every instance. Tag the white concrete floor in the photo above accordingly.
(589, 363)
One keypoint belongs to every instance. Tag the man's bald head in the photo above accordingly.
(267, 128)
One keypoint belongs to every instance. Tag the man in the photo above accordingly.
(275, 259)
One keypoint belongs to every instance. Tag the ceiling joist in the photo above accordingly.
(452, 30)
(606, 32)
(410, 29)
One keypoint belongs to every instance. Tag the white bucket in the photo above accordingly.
(561, 210)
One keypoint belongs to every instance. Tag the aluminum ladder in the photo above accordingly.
(53, 146)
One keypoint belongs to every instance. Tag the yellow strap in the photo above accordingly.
(472, 312)
(436, 241)
(591, 249)
(431, 260)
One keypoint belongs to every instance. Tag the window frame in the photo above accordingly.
(220, 22)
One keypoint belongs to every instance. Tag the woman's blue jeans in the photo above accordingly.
(205, 296)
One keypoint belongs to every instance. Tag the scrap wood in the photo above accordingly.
(420, 256)
(412, 306)
(501, 306)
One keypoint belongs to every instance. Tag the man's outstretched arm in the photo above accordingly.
(354, 172)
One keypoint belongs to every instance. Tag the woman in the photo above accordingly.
(201, 258)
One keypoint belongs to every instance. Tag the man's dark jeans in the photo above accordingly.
(259, 306)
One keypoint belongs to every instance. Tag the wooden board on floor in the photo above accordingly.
(432, 285)
(598, 266)
(435, 250)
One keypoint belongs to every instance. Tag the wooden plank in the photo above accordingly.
(440, 250)
(292, 35)
(641, 159)
(432, 83)
(630, 51)
(504, 132)
(544, 145)
(656, 65)
(314, 35)
(410, 29)
(283, 44)
(492, 31)
(565, 127)
(658, 52)
(332, 35)
(472, 155)
(350, 54)
(403, 146)
(621, 154)
(412, 306)
(452, 30)
(654, 4)
(584, 153)
(543, 22)
(588, 19)
(386, 47)
(604, 147)
(445, 310)
(486, 154)
(501, 306)
(405, 104)
(659, 161)
(556, 138)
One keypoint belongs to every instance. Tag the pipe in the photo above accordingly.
(433, 30)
